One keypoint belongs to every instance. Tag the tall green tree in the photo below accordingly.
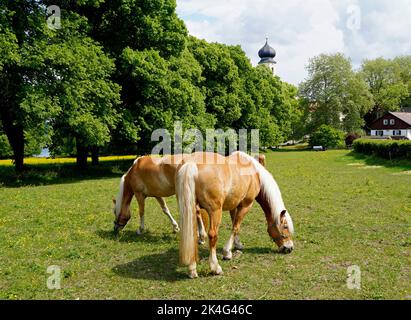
(221, 81)
(334, 94)
(24, 103)
(53, 81)
(384, 79)
(405, 66)
(129, 30)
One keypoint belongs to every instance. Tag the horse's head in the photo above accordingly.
(120, 218)
(281, 232)
(122, 206)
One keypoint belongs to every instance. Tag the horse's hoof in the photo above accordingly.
(193, 274)
(176, 229)
(227, 255)
(239, 246)
(217, 272)
(139, 232)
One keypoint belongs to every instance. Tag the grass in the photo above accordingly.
(347, 210)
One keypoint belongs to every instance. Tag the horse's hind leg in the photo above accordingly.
(202, 233)
(165, 209)
(238, 218)
(141, 204)
(215, 220)
(237, 243)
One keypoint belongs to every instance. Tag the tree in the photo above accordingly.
(334, 94)
(165, 92)
(53, 78)
(24, 103)
(85, 94)
(149, 27)
(405, 66)
(221, 81)
(383, 78)
(327, 136)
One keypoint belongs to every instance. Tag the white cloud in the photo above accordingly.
(300, 29)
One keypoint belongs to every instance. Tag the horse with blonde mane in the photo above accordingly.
(227, 184)
(147, 177)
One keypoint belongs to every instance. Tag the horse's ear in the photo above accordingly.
(114, 201)
(282, 214)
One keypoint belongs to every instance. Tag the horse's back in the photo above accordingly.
(223, 181)
(153, 176)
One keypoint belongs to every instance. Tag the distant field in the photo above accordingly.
(347, 210)
(41, 161)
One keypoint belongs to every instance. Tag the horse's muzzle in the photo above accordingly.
(286, 250)
(287, 247)
(117, 228)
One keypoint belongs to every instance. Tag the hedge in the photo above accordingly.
(388, 149)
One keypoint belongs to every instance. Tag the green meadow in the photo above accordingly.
(348, 211)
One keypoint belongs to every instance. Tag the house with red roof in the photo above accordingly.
(396, 125)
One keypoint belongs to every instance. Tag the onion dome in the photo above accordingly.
(267, 54)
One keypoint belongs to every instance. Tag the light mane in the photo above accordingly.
(119, 198)
(271, 192)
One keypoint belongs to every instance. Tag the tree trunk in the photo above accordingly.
(15, 134)
(94, 156)
(17, 143)
(82, 153)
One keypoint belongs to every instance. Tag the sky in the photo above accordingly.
(301, 29)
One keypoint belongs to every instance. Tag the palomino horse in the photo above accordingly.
(148, 177)
(154, 177)
(231, 184)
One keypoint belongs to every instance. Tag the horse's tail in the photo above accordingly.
(185, 189)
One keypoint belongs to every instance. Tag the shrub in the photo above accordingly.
(349, 139)
(327, 136)
(388, 149)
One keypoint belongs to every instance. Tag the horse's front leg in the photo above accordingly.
(215, 220)
(237, 243)
(167, 212)
(238, 218)
(141, 205)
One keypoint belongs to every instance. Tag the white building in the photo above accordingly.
(393, 124)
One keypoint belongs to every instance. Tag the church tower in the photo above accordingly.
(267, 55)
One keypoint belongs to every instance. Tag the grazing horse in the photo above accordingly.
(148, 177)
(230, 184)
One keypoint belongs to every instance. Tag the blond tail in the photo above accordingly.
(185, 189)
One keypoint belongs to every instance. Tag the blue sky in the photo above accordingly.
(301, 29)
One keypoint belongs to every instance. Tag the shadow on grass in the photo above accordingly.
(129, 236)
(261, 250)
(158, 266)
(47, 174)
(403, 164)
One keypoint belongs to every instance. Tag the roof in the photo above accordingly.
(267, 53)
(404, 116)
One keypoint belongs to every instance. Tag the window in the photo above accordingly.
(380, 133)
(385, 122)
(392, 122)
(397, 132)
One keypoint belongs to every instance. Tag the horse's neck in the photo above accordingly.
(267, 207)
(127, 196)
